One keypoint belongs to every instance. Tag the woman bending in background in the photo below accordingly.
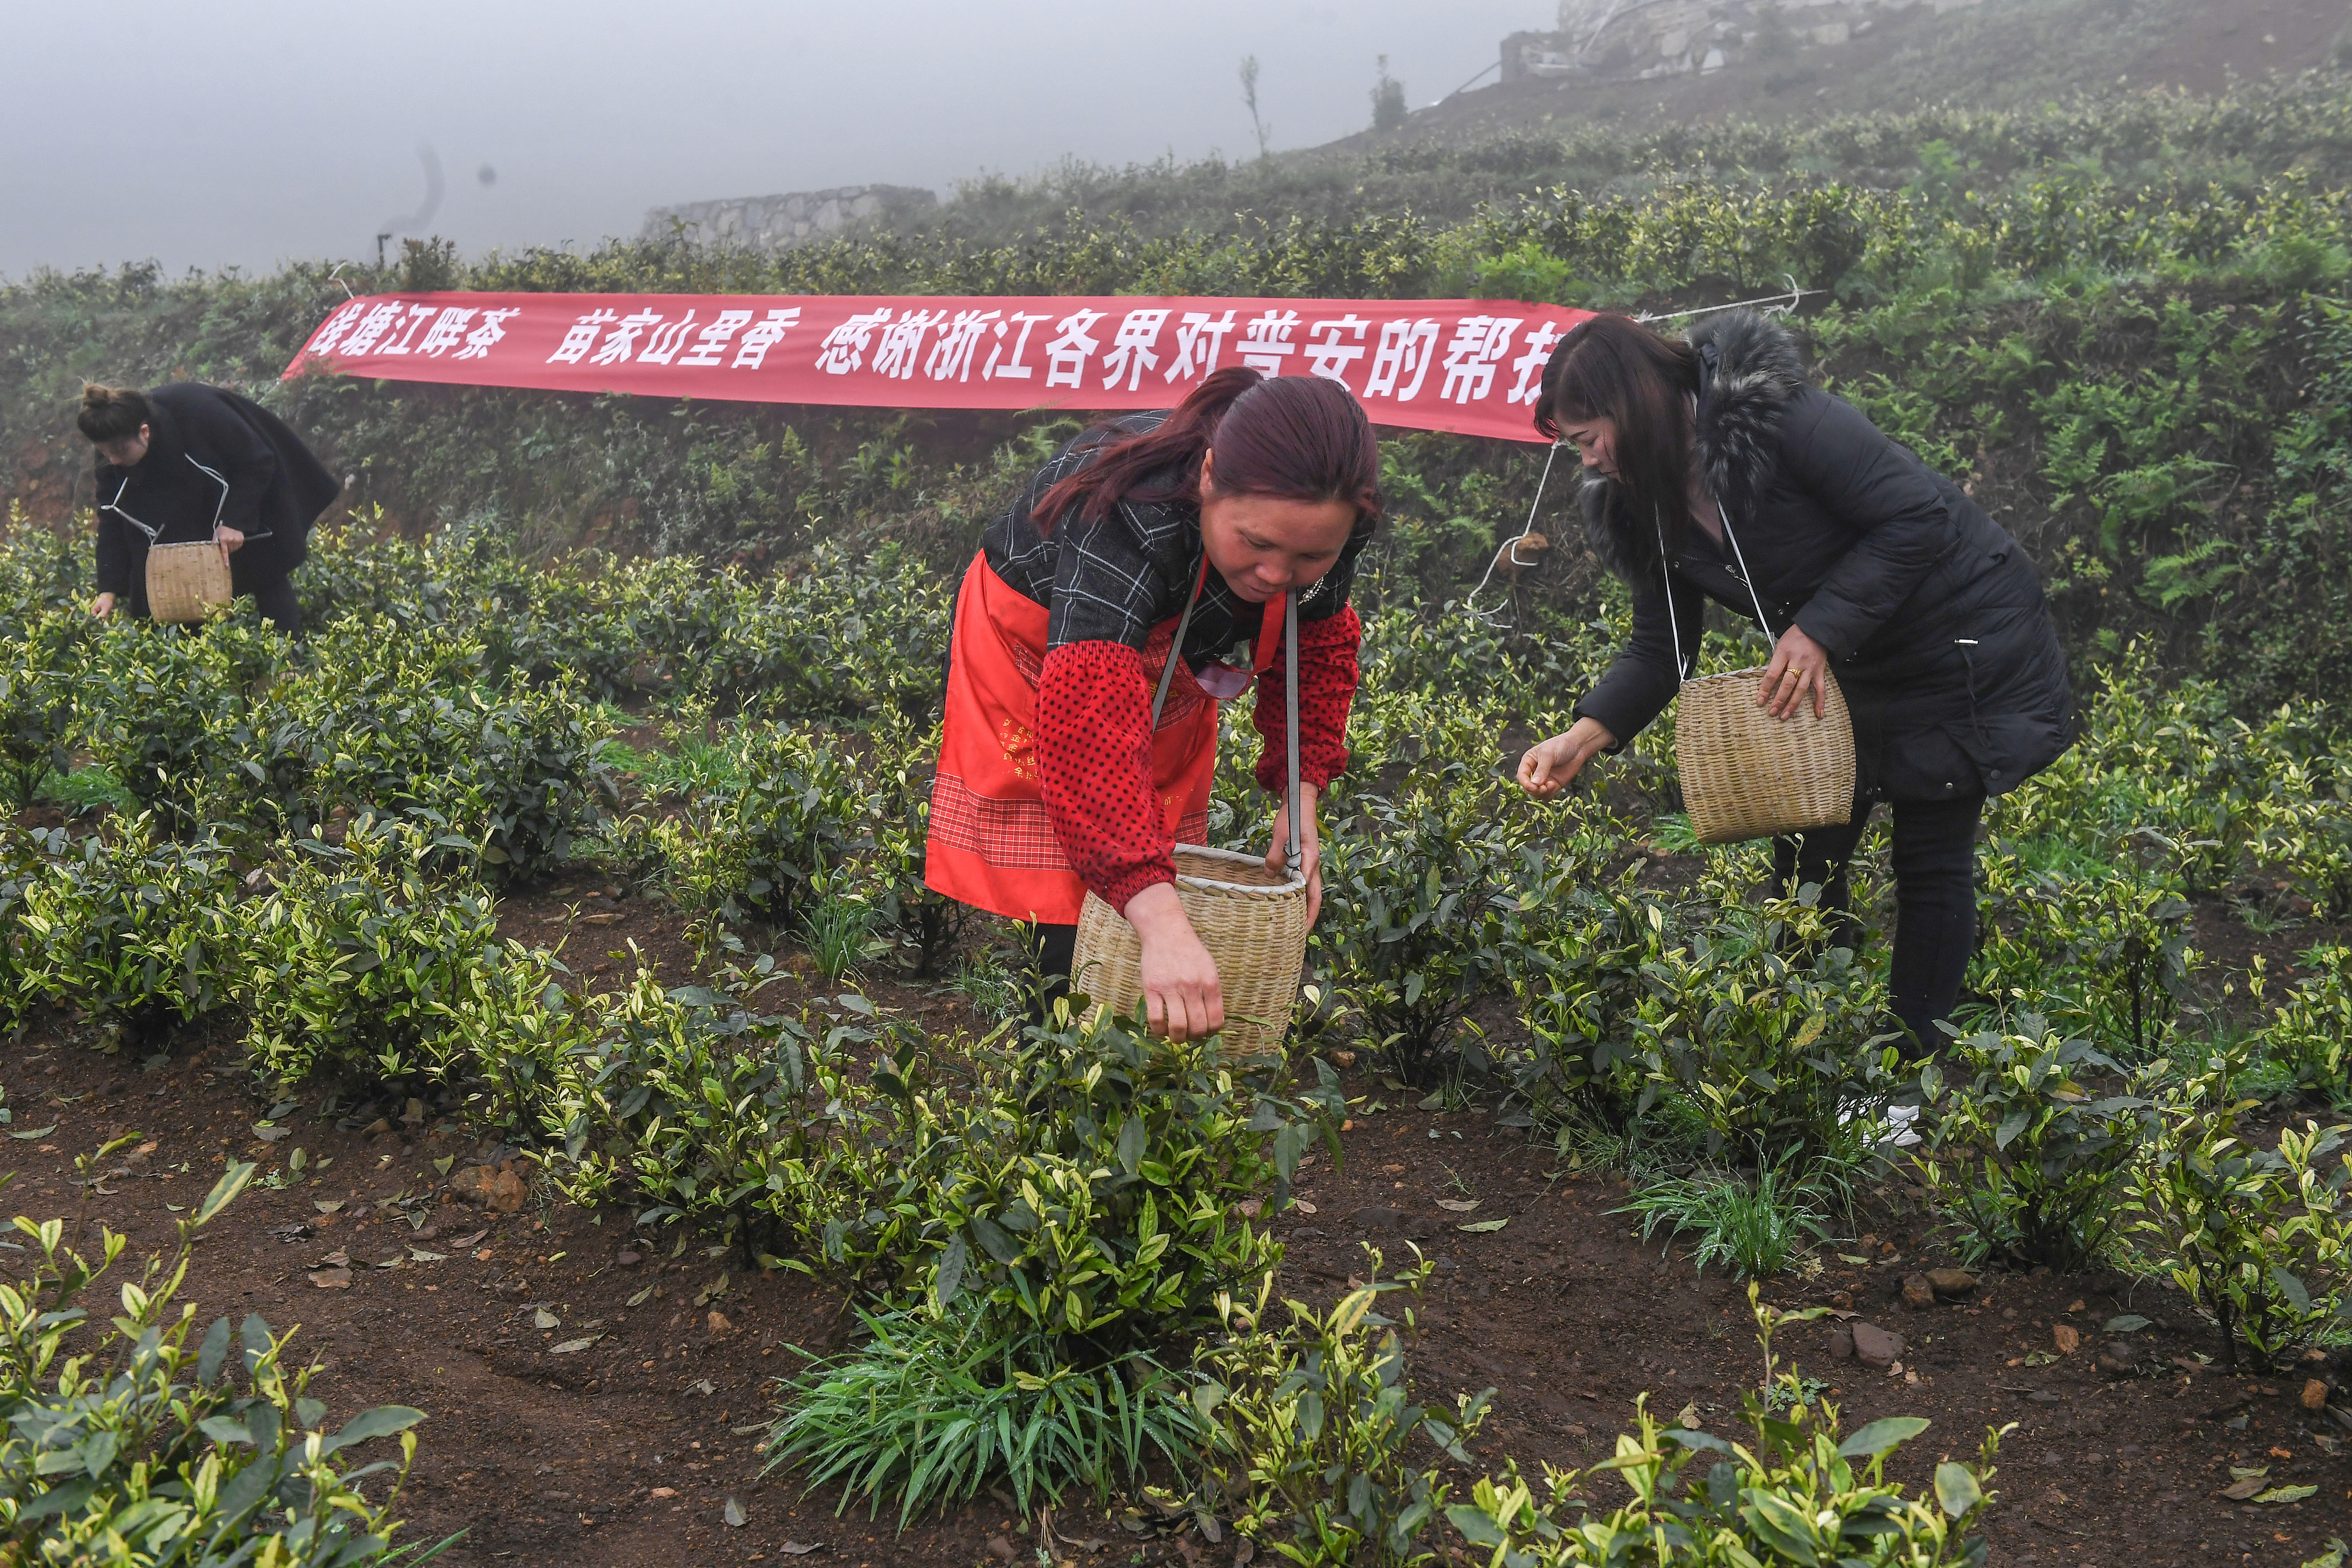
(187, 463)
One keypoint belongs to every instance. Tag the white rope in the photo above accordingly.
(1512, 548)
(1774, 304)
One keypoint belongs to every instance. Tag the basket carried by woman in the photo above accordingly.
(1149, 550)
(1713, 470)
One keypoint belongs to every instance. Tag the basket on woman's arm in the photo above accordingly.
(186, 582)
(1748, 775)
(1745, 773)
(1251, 918)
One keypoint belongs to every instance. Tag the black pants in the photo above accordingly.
(1050, 950)
(274, 597)
(1935, 899)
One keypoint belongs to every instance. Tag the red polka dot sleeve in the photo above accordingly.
(1094, 757)
(1327, 673)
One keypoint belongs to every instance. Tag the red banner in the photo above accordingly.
(1468, 366)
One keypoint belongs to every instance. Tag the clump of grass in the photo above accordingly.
(841, 925)
(1753, 1226)
(930, 1409)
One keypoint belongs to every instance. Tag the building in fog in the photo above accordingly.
(1632, 39)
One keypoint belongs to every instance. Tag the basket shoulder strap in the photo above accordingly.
(1176, 647)
(1290, 730)
(1722, 514)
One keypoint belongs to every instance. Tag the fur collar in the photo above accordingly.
(1750, 369)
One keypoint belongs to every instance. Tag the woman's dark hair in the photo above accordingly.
(1296, 438)
(111, 413)
(1613, 368)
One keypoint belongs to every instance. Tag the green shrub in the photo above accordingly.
(2311, 1036)
(37, 708)
(690, 1105)
(2104, 951)
(137, 930)
(793, 654)
(905, 756)
(1421, 893)
(2260, 1239)
(161, 707)
(1793, 1492)
(2020, 1156)
(1578, 987)
(119, 1443)
(406, 724)
(1089, 1185)
(1310, 1429)
(936, 1405)
(521, 1031)
(26, 856)
(356, 959)
(1773, 1036)
(782, 806)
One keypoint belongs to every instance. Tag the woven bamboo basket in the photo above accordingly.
(1748, 775)
(1252, 920)
(186, 582)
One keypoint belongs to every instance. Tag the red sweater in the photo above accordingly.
(1093, 748)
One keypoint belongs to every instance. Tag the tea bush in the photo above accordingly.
(123, 1443)
(1309, 1431)
(690, 1105)
(26, 856)
(1420, 892)
(1795, 1491)
(160, 707)
(37, 706)
(785, 805)
(1776, 1039)
(2261, 1239)
(137, 929)
(1090, 1189)
(2021, 1158)
(355, 961)
(2312, 1034)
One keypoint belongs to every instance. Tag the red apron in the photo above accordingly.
(990, 844)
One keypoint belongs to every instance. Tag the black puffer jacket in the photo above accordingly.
(1933, 617)
(211, 456)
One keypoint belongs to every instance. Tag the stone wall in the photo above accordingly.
(1620, 40)
(779, 223)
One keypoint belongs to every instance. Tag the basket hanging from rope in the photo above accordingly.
(1252, 919)
(186, 581)
(1745, 773)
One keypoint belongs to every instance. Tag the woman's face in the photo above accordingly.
(1264, 546)
(1595, 440)
(126, 452)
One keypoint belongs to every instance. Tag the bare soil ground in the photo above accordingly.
(625, 1449)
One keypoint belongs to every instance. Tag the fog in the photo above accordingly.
(239, 132)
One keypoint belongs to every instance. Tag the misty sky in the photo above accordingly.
(238, 132)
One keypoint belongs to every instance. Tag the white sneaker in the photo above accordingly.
(1902, 1129)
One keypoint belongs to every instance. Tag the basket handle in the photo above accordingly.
(1665, 578)
(1289, 688)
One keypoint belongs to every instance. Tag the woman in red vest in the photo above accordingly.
(1051, 777)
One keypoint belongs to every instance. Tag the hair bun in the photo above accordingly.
(96, 396)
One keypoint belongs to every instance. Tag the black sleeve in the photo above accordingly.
(113, 555)
(1886, 496)
(1110, 586)
(221, 441)
(1642, 679)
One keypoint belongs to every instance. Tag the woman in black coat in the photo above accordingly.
(186, 463)
(1713, 470)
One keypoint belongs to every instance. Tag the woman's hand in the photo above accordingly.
(1551, 766)
(229, 541)
(1799, 665)
(1310, 847)
(103, 606)
(1182, 997)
